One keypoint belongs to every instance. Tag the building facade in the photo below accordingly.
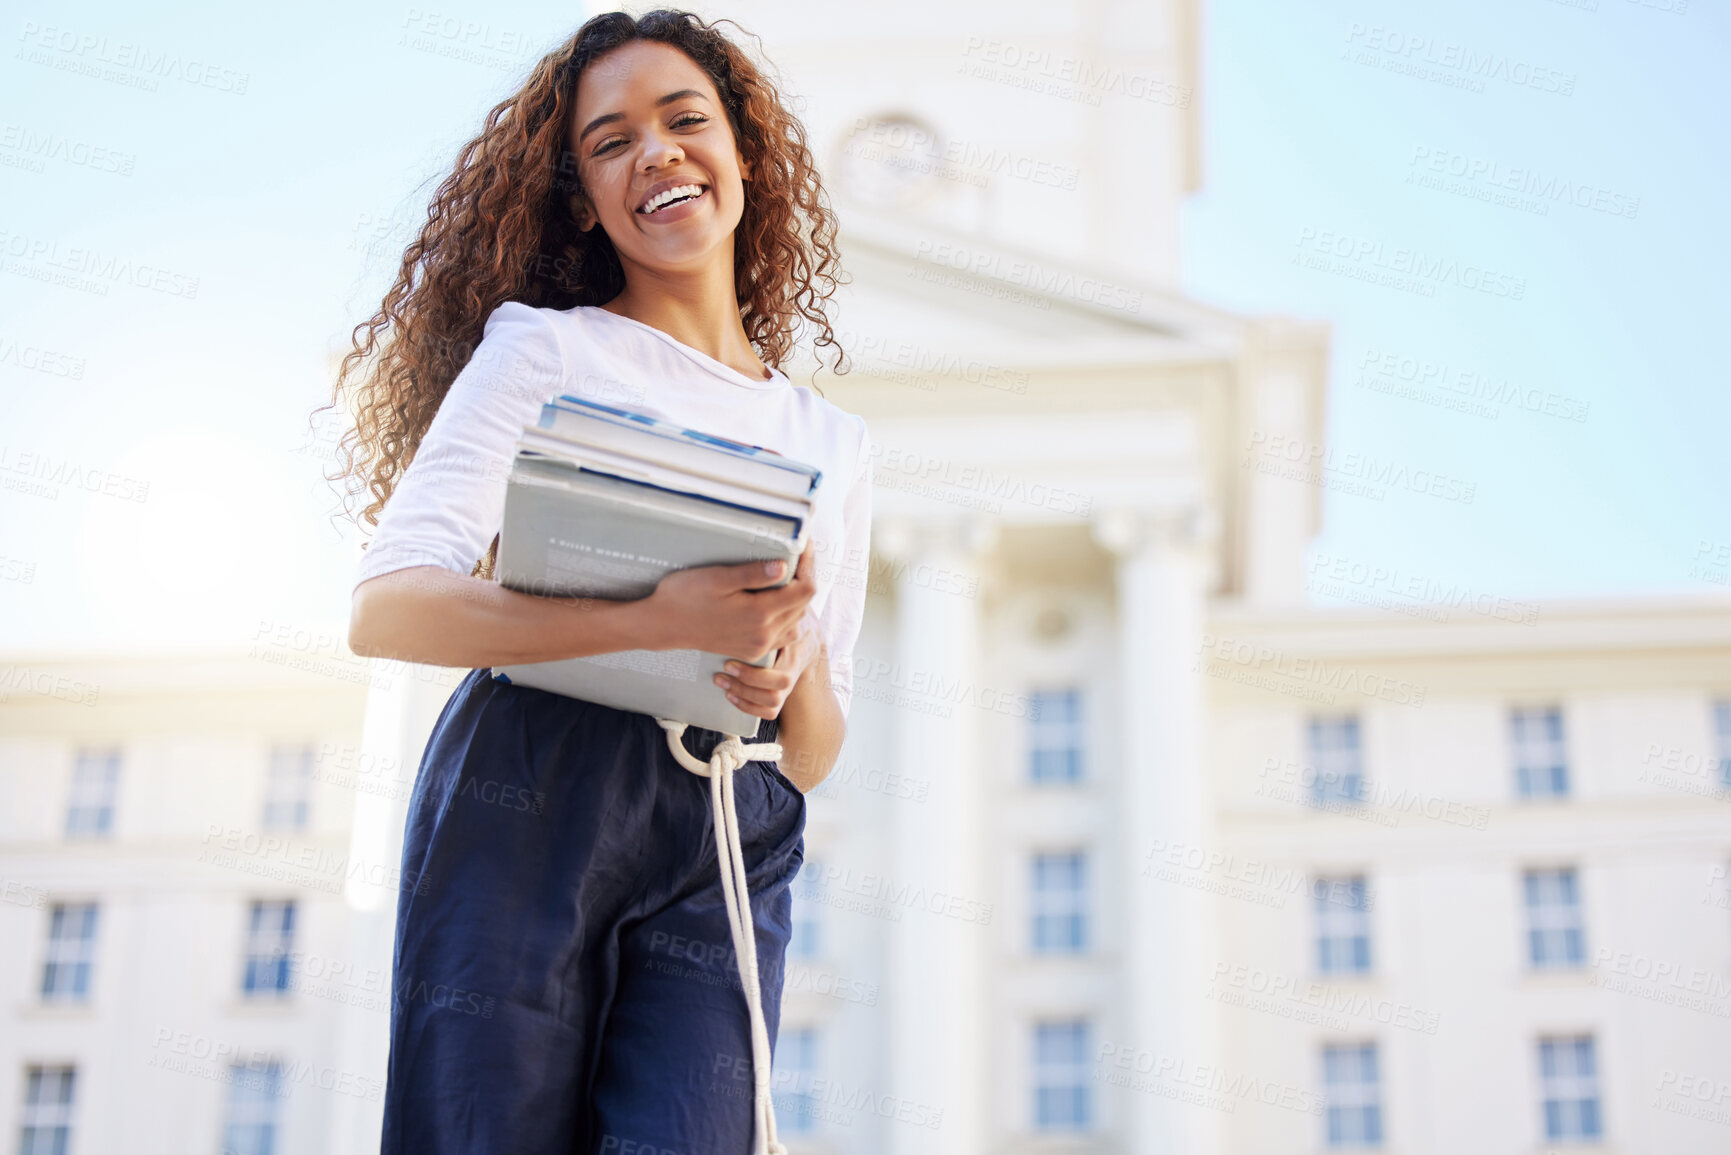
(174, 861)
(1130, 849)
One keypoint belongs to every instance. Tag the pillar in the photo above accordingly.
(937, 963)
(1163, 571)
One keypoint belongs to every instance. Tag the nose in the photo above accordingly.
(660, 149)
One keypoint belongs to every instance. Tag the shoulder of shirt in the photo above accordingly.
(846, 424)
(562, 321)
(831, 412)
(569, 329)
(528, 330)
(518, 313)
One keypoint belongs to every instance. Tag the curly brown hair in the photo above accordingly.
(502, 227)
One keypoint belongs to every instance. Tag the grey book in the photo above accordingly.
(572, 532)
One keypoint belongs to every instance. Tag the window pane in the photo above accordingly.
(1722, 729)
(255, 1089)
(808, 895)
(1342, 911)
(95, 780)
(1058, 902)
(46, 1126)
(794, 1072)
(1336, 759)
(1568, 1078)
(1541, 763)
(1061, 1088)
(1055, 735)
(1353, 1094)
(269, 943)
(1555, 931)
(71, 951)
(288, 787)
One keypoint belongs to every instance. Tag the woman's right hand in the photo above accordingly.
(722, 609)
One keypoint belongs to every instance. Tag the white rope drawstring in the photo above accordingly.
(730, 754)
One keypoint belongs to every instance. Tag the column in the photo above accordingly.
(936, 962)
(403, 702)
(1164, 560)
(1283, 369)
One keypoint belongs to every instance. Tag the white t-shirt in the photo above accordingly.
(450, 502)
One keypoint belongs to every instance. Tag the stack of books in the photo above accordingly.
(603, 501)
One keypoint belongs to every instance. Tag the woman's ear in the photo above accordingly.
(581, 212)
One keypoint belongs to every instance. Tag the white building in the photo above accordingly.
(1128, 850)
(174, 856)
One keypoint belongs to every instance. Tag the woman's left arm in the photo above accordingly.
(811, 724)
(799, 689)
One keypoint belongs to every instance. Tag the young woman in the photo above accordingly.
(641, 223)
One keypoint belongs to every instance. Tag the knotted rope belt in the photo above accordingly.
(729, 755)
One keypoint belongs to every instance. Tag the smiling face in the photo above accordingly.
(657, 159)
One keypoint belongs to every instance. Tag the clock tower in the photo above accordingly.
(1066, 131)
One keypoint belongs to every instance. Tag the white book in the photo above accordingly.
(659, 474)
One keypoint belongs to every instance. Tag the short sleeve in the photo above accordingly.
(450, 502)
(845, 607)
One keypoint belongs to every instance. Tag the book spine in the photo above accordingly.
(674, 480)
(750, 465)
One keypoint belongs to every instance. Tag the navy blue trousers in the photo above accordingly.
(564, 981)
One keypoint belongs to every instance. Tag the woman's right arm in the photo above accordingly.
(437, 617)
(416, 601)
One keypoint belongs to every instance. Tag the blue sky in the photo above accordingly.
(1624, 314)
(260, 224)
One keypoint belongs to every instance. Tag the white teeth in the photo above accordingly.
(665, 195)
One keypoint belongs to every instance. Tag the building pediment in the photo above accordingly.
(1003, 383)
(925, 300)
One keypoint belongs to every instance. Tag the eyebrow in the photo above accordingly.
(682, 94)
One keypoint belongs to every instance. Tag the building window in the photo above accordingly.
(253, 1093)
(47, 1124)
(288, 785)
(808, 896)
(95, 779)
(1352, 1090)
(1722, 731)
(794, 1073)
(1055, 736)
(1569, 1084)
(1060, 903)
(270, 936)
(1336, 757)
(1061, 1076)
(1541, 764)
(1554, 929)
(1342, 925)
(71, 952)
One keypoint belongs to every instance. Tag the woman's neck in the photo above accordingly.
(700, 310)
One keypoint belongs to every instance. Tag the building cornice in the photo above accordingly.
(1481, 628)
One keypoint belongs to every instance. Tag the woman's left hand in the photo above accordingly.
(761, 690)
